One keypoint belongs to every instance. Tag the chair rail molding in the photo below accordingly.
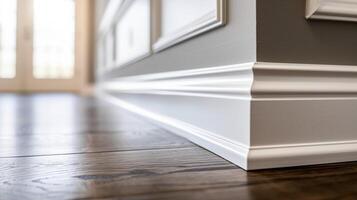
(198, 24)
(340, 10)
(256, 115)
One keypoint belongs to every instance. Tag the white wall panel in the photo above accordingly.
(176, 14)
(183, 19)
(133, 33)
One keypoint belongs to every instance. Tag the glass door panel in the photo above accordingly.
(54, 39)
(38, 45)
(53, 48)
(8, 27)
(9, 66)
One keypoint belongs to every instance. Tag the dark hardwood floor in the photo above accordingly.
(61, 146)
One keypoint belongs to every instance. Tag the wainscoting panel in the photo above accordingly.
(132, 33)
(184, 19)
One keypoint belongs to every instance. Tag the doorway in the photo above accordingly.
(38, 46)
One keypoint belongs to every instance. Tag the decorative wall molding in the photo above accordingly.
(228, 149)
(124, 35)
(290, 115)
(193, 103)
(105, 36)
(287, 80)
(341, 10)
(233, 81)
(198, 25)
(302, 114)
(271, 80)
(133, 32)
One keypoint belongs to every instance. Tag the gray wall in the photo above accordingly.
(234, 43)
(284, 35)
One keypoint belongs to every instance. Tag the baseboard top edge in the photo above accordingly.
(262, 66)
(240, 67)
(291, 81)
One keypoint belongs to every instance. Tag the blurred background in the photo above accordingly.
(46, 46)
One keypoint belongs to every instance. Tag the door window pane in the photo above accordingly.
(8, 18)
(54, 39)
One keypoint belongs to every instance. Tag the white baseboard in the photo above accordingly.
(290, 115)
(230, 150)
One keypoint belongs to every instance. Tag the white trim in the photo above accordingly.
(291, 107)
(214, 85)
(232, 151)
(288, 80)
(233, 81)
(341, 10)
(145, 51)
(250, 158)
(302, 114)
(272, 80)
(206, 23)
(114, 13)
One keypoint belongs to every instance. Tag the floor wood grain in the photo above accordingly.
(60, 146)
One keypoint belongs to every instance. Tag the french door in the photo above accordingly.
(38, 46)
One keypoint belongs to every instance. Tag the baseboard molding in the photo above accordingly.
(187, 101)
(232, 151)
(289, 115)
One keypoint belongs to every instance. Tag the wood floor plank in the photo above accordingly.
(49, 144)
(63, 114)
(112, 174)
(188, 173)
(38, 125)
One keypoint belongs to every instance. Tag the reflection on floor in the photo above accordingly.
(62, 146)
